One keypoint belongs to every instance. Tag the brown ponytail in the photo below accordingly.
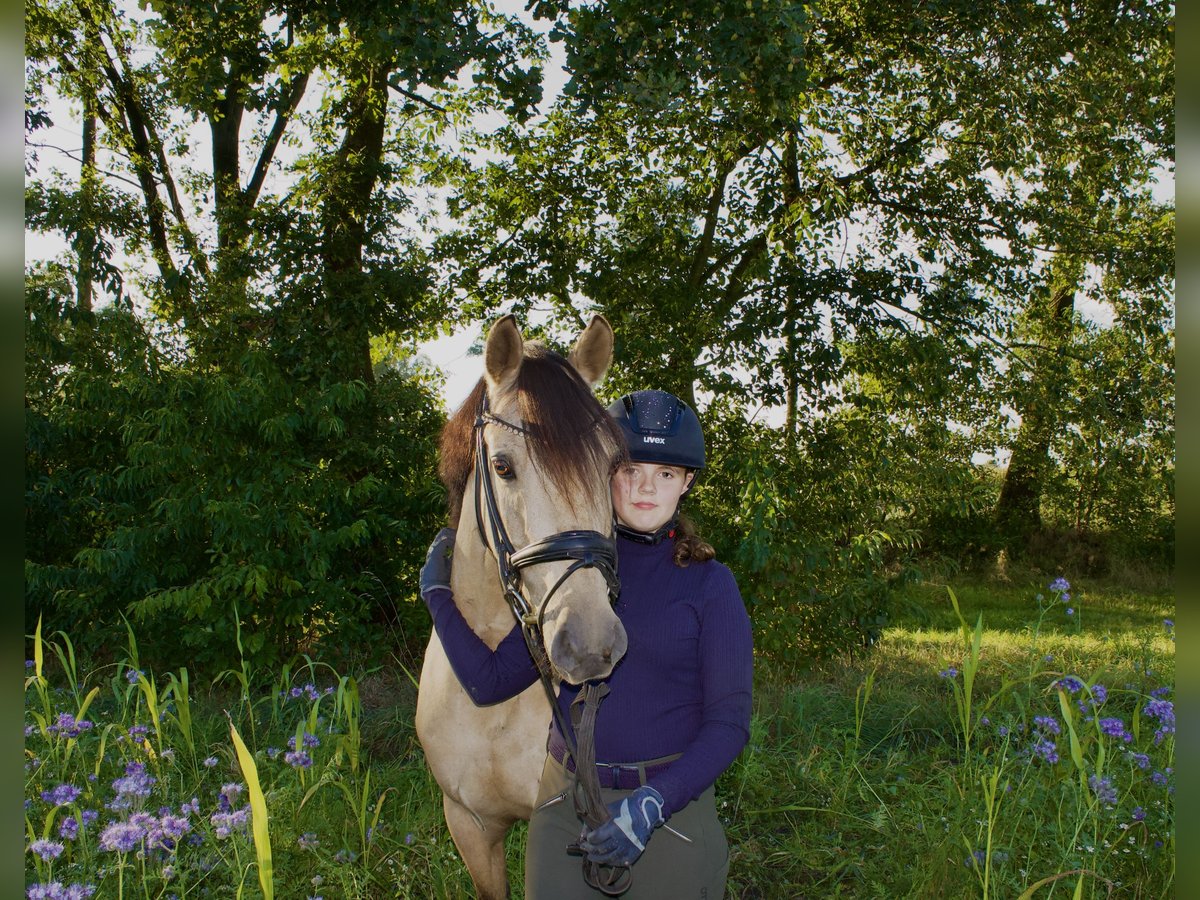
(689, 545)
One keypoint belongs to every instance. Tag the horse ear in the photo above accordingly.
(503, 354)
(593, 351)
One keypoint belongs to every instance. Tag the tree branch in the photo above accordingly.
(279, 126)
(145, 145)
(704, 250)
(394, 84)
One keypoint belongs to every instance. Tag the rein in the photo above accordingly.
(586, 549)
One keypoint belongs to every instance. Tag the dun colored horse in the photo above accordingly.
(549, 446)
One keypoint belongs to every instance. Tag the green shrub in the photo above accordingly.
(201, 502)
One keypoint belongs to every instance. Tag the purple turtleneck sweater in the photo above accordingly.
(683, 686)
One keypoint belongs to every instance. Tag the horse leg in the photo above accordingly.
(481, 846)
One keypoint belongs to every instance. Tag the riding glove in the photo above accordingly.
(436, 571)
(621, 840)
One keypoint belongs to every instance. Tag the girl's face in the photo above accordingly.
(645, 495)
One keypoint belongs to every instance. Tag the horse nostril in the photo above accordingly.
(607, 654)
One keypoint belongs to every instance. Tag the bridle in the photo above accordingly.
(585, 549)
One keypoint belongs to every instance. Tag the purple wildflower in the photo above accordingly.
(90, 816)
(47, 850)
(132, 787)
(297, 759)
(68, 828)
(139, 731)
(67, 726)
(62, 795)
(307, 740)
(1047, 750)
(1159, 692)
(226, 823)
(1070, 684)
(1099, 694)
(949, 672)
(1060, 584)
(1048, 724)
(1141, 760)
(1103, 789)
(54, 890)
(1164, 711)
(210, 762)
(167, 831)
(308, 841)
(1138, 814)
(1070, 611)
(229, 793)
(121, 837)
(1115, 728)
(1159, 778)
(132, 675)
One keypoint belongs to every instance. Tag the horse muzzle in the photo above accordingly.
(586, 647)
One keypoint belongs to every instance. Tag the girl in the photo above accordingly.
(678, 708)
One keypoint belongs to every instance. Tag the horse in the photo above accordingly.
(550, 447)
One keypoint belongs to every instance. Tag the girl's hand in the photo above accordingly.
(621, 840)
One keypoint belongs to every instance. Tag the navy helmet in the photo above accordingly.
(660, 428)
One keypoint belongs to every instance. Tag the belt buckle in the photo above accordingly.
(615, 769)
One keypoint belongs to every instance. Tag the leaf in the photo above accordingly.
(258, 813)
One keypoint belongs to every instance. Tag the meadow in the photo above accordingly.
(1007, 740)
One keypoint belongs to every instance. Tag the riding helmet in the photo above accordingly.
(660, 428)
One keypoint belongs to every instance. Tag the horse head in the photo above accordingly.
(549, 450)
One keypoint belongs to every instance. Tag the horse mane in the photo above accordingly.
(570, 435)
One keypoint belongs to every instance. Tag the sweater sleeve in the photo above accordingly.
(488, 676)
(727, 652)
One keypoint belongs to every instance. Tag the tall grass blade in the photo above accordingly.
(258, 814)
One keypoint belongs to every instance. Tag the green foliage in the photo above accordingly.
(855, 781)
(199, 503)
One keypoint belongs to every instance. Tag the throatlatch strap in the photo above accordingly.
(589, 804)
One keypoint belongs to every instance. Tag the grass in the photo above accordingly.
(889, 775)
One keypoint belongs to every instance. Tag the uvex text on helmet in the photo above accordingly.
(660, 428)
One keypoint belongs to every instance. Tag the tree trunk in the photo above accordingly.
(791, 197)
(1018, 510)
(344, 226)
(85, 237)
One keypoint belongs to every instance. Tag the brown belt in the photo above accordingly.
(614, 776)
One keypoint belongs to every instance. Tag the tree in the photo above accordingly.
(246, 465)
(748, 190)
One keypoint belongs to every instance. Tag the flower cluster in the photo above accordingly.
(308, 690)
(132, 788)
(143, 829)
(63, 795)
(1164, 712)
(1103, 789)
(55, 890)
(66, 725)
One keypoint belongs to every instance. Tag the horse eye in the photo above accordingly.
(502, 468)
